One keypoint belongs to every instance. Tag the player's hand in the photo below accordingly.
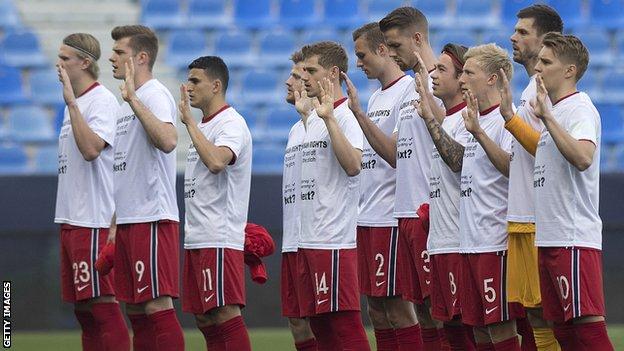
(352, 93)
(112, 232)
(471, 113)
(68, 90)
(324, 104)
(506, 108)
(128, 90)
(540, 104)
(303, 104)
(423, 105)
(421, 69)
(185, 107)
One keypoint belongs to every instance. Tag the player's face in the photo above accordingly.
(367, 60)
(312, 74)
(552, 70)
(200, 87)
(525, 41)
(68, 59)
(121, 54)
(445, 81)
(401, 47)
(294, 82)
(473, 78)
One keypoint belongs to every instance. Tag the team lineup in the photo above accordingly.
(468, 223)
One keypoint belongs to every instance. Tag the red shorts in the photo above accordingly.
(212, 277)
(377, 260)
(570, 283)
(327, 281)
(445, 275)
(79, 278)
(290, 301)
(483, 295)
(413, 260)
(147, 261)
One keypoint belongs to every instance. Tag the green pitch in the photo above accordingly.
(261, 340)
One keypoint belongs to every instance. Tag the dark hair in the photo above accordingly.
(329, 54)
(372, 34)
(456, 52)
(545, 18)
(568, 49)
(141, 39)
(405, 17)
(296, 57)
(214, 67)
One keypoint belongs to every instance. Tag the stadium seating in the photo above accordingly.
(298, 14)
(436, 12)
(475, 14)
(30, 124)
(45, 87)
(378, 9)
(280, 120)
(267, 159)
(13, 159)
(253, 14)
(46, 159)
(9, 17)
(599, 45)
(607, 13)
(234, 48)
(343, 13)
(162, 14)
(20, 48)
(571, 11)
(612, 123)
(276, 48)
(499, 38)
(208, 14)
(260, 88)
(184, 46)
(11, 86)
(613, 86)
(511, 7)
(452, 36)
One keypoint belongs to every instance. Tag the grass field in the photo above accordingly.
(261, 340)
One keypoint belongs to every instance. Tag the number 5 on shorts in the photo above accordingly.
(489, 292)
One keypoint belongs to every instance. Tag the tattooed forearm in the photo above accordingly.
(452, 152)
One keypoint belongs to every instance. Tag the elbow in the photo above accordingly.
(90, 155)
(216, 169)
(583, 164)
(168, 146)
(352, 172)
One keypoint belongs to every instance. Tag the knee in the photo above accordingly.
(225, 313)
(135, 309)
(400, 313)
(161, 303)
(202, 320)
(377, 315)
(424, 316)
(503, 331)
(300, 329)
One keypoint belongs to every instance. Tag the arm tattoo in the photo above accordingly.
(451, 151)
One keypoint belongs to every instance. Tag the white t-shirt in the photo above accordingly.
(566, 200)
(413, 161)
(521, 204)
(291, 188)
(216, 204)
(85, 189)
(378, 178)
(444, 191)
(483, 191)
(144, 176)
(329, 197)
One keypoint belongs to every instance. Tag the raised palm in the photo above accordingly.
(324, 103)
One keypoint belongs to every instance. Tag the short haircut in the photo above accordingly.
(214, 67)
(568, 49)
(372, 34)
(405, 17)
(491, 58)
(545, 18)
(86, 47)
(456, 52)
(141, 39)
(296, 57)
(329, 54)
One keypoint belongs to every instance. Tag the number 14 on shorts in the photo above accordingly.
(321, 286)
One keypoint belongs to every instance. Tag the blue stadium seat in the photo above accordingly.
(162, 14)
(298, 14)
(184, 46)
(314, 36)
(46, 88)
(436, 12)
(589, 84)
(607, 13)
(511, 7)
(9, 17)
(253, 14)
(499, 38)
(465, 38)
(599, 46)
(46, 159)
(260, 88)
(267, 159)
(379, 9)
(342, 14)
(619, 44)
(276, 48)
(613, 86)
(13, 159)
(571, 11)
(611, 121)
(253, 117)
(21, 48)
(475, 14)
(519, 82)
(234, 48)
(279, 120)
(11, 87)
(208, 14)
(59, 115)
(30, 124)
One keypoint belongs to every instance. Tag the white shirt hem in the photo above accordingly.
(213, 246)
(443, 251)
(327, 246)
(483, 249)
(289, 249)
(132, 220)
(408, 214)
(81, 224)
(521, 219)
(393, 223)
(544, 243)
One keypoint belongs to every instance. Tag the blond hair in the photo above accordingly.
(491, 58)
(568, 49)
(87, 48)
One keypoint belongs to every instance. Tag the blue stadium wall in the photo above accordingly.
(30, 251)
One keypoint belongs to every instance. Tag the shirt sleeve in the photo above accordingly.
(352, 131)
(102, 119)
(583, 125)
(161, 106)
(232, 135)
(505, 140)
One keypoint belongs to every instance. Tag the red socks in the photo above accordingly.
(593, 336)
(214, 341)
(90, 331)
(234, 334)
(431, 339)
(144, 338)
(526, 331)
(386, 340)
(348, 327)
(308, 345)
(326, 338)
(409, 338)
(458, 338)
(510, 344)
(168, 331)
(113, 330)
(444, 343)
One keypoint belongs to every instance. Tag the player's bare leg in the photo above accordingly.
(224, 329)
(300, 329)
(483, 339)
(385, 335)
(431, 329)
